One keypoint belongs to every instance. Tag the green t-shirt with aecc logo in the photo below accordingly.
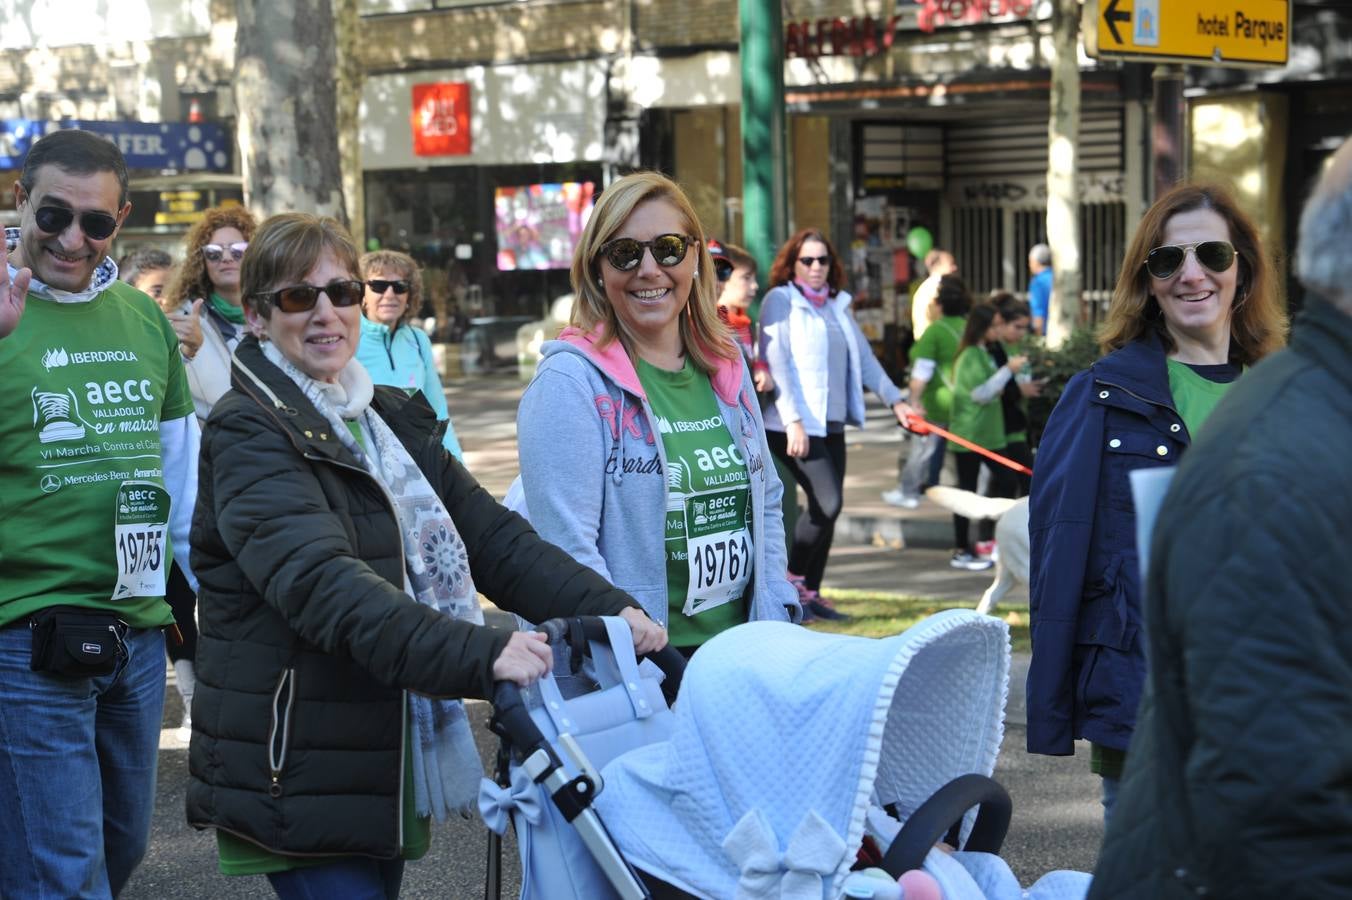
(708, 522)
(83, 509)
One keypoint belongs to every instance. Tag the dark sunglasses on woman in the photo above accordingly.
(626, 253)
(380, 286)
(807, 261)
(303, 297)
(56, 219)
(214, 252)
(1163, 262)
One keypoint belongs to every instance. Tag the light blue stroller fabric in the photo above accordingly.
(627, 711)
(727, 806)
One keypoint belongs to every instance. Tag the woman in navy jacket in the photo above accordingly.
(1193, 305)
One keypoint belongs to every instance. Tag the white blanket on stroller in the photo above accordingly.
(782, 738)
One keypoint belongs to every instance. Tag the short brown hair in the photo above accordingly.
(705, 337)
(394, 261)
(285, 247)
(1257, 321)
(739, 257)
(781, 270)
(192, 280)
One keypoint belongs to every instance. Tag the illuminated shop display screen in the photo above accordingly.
(538, 224)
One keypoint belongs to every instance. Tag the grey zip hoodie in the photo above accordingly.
(593, 471)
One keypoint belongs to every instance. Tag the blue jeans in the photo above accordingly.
(347, 879)
(1110, 786)
(77, 768)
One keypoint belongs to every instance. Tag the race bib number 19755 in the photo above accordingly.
(140, 537)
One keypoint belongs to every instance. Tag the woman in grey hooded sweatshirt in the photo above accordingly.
(641, 443)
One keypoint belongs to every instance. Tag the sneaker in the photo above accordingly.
(822, 608)
(985, 549)
(972, 563)
(897, 498)
(184, 733)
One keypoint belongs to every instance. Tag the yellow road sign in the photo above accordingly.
(1200, 32)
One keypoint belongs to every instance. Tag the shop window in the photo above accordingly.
(979, 243)
(445, 219)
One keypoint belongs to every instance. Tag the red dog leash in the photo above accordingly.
(917, 425)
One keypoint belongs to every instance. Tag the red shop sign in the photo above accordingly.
(441, 119)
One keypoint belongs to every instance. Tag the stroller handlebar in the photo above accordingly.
(578, 630)
(510, 716)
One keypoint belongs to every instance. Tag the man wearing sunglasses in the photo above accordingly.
(98, 449)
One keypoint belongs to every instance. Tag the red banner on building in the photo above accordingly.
(441, 119)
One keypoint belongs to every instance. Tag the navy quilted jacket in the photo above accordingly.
(1239, 779)
(1088, 661)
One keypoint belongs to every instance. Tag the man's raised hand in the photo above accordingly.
(12, 294)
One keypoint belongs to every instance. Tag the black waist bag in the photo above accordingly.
(76, 642)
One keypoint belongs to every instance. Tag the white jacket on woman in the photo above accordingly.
(794, 342)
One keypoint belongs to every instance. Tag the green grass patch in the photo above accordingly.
(879, 614)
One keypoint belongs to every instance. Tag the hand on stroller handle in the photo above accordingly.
(527, 744)
(524, 660)
(512, 720)
(578, 631)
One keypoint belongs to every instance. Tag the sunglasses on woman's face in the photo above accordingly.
(56, 219)
(808, 261)
(215, 252)
(380, 286)
(1163, 262)
(303, 297)
(626, 253)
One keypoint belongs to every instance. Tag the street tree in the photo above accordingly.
(286, 103)
(350, 75)
(1063, 170)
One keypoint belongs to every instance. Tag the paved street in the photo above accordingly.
(1057, 819)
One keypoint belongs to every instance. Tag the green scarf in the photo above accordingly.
(226, 309)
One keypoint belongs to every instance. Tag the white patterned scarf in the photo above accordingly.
(105, 274)
(446, 764)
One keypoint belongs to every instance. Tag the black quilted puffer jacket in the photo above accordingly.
(1239, 777)
(308, 641)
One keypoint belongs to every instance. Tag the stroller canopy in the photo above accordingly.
(782, 739)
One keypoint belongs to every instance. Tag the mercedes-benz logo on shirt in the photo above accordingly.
(50, 484)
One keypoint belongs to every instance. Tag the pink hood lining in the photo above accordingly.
(615, 363)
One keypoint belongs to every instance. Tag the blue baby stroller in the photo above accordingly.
(556, 736)
(710, 798)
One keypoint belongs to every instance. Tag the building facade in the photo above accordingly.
(487, 127)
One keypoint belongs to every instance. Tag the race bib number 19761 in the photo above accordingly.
(140, 537)
(719, 552)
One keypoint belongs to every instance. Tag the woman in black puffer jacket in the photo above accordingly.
(339, 550)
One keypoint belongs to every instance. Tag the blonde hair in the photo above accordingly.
(1257, 320)
(286, 247)
(705, 338)
(394, 261)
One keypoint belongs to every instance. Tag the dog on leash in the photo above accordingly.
(1011, 536)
